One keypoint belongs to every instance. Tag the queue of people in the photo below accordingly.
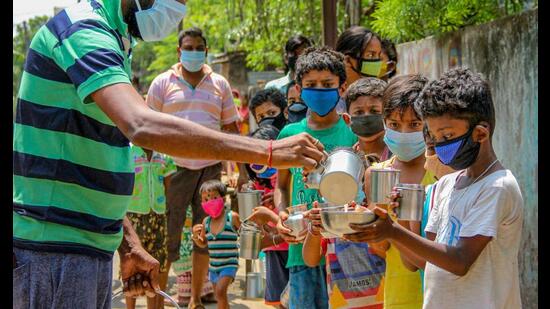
(98, 169)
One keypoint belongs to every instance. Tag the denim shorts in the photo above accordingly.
(308, 287)
(215, 276)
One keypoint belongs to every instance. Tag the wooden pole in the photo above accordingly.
(329, 23)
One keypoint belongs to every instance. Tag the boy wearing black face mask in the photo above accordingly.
(267, 107)
(364, 115)
(296, 109)
(474, 228)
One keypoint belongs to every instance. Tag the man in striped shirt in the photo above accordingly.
(192, 91)
(72, 169)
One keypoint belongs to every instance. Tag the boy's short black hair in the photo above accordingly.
(367, 86)
(296, 42)
(194, 32)
(320, 59)
(265, 95)
(459, 93)
(402, 92)
(213, 184)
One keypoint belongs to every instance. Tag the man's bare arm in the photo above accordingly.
(181, 138)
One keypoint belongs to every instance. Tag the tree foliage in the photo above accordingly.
(21, 41)
(407, 20)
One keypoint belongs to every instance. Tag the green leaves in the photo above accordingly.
(407, 20)
(21, 41)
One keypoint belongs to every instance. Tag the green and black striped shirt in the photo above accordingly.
(72, 174)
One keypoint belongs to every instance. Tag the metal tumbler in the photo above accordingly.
(411, 201)
(382, 182)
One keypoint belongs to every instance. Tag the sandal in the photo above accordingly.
(196, 306)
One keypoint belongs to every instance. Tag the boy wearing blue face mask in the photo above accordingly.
(474, 228)
(320, 78)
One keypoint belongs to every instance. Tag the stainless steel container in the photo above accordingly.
(250, 240)
(254, 285)
(411, 201)
(342, 176)
(296, 221)
(382, 181)
(247, 201)
(336, 219)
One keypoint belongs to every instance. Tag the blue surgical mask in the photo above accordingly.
(321, 100)
(192, 61)
(406, 146)
(160, 20)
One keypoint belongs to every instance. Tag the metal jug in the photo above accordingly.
(342, 176)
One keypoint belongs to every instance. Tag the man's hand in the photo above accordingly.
(140, 273)
(284, 231)
(297, 151)
(377, 231)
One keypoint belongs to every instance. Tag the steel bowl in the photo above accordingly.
(336, 219)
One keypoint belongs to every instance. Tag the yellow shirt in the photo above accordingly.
(402, 287)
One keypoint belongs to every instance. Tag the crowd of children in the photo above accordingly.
(462, 254)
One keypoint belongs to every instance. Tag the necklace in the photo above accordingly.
(468, 186)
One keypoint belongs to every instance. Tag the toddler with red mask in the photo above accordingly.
(218, 231)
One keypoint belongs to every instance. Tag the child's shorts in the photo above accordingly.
(215, 276)
(277, 276)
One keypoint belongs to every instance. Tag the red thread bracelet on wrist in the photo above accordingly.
(270, 150)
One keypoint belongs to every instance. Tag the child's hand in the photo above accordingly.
(262, 215)
(379, 230)
(197, 232)
(314, 216)
(394, 197)
(284, 231)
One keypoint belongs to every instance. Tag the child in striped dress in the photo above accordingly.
(218, 231)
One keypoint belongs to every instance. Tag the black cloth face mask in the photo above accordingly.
(367, 125)
(296, 112)
(278, 121)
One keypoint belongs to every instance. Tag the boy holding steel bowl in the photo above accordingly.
(474, 229)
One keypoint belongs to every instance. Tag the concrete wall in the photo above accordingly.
(506, 53)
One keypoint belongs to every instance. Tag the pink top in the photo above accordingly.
(209, 104)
